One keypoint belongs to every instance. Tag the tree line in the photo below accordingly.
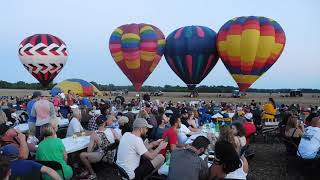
(166, 88)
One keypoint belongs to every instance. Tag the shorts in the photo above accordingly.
(144, 169)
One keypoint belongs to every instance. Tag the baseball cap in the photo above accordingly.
(141, 123)
(100, 120)
(10, 150)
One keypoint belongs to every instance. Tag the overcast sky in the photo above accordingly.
(86, 25)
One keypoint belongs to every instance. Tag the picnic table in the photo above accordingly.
(24, 127)
(77, 143)
(73, 144)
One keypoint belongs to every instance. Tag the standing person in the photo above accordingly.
(134, 156)
(75, 125)
(42, 110)
(52, 149)
(32, 119)
(269, 110)
(196, 169)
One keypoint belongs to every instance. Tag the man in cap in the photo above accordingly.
(32, 119)
(42, 110)
(134, 156)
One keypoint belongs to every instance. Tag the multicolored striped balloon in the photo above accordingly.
(249, 46)
(77, 86)
(191, 53)
(137, 49)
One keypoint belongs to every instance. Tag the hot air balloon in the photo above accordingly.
(77, 86)
(249, 46)
(137, 50)
(44, 56)
(191, 53)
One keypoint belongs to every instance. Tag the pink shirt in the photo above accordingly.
(42, 110)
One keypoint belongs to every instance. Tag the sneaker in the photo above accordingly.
(84, 174)
(92, 176)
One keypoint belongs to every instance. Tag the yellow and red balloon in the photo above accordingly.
(249, 46)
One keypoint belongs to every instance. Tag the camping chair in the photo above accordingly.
(54, 165)
(109, 148)
(121, 172)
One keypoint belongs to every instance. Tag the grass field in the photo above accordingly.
(307, 99)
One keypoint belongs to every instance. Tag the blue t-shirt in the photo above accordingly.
(24, 167)
(29, 110)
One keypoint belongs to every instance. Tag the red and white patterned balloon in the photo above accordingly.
(44, 56)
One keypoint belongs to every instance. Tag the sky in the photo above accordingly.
(86, 25)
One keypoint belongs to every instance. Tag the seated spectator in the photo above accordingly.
(294, 130)
(227, 163)
(99, 140)
(192, 121)
(309, 147)
(226, 134)
(309, 118)
(171, 134)
(52, 149)
(124, 124)
(249, 127)
(239, 132)
(162, 121)
(196, 167)
(75, 125)
(18, 164)
(134, 157)
(10, 136)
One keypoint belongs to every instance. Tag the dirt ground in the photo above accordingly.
(307, 99)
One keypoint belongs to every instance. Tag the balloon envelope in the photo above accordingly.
(249, 46)
(191, 53)
(44, 56)
(77, 86)
(137, 50)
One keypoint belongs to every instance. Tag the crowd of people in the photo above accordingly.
(147, 135)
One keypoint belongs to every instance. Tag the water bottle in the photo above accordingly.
(217, 127)
(168, 156)
(212, 125)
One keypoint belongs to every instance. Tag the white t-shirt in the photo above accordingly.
(74, 127)
(310, 143)
(184, 129)
(243, 141)
(109, 134)
(237, 174)
(131, 148)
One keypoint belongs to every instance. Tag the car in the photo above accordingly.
(156, 93)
